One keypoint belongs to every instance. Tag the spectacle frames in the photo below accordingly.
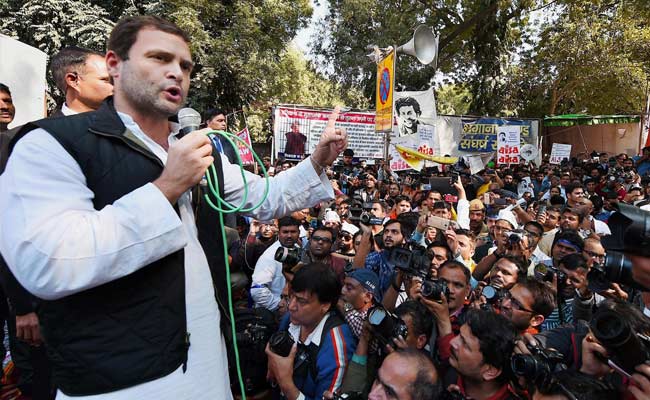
(321, 239)
(594, 255)
(516, 305)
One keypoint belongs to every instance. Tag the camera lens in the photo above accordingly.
(281, 343)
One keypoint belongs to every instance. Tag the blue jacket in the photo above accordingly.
(334, 354)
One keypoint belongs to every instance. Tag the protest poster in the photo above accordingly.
(359, 125)
(479, 135)
(244, 152)
(508, 142)
(559, 152)
(415, 112)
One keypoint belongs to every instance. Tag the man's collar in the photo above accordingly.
(313, 337)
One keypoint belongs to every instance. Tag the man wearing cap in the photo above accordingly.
(358, 295)
(506, 222)
(332, 220)
(477, 218)
(346, 241)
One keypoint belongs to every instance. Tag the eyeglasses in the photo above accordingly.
(516, 305)
(321, 239)
(594, 255)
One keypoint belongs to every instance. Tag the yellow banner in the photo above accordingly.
(385, 88)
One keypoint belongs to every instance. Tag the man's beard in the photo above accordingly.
(145, 96)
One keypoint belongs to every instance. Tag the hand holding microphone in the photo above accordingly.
(187, 159)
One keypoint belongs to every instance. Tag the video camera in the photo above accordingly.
(412, 260)
(539, 367)
(386, 326)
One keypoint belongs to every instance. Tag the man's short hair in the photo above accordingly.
(408, 101)
(67, 60)
(382, 204)
(288, 221)
(580, 386)
(453, 264)
(423, 388)
(536, 225)
(570, 236)
(496, 336)
(520, 263)
(401, 197)
(579, 212)
(213, 112)
(574, 261)
(543, 296)
(420, 316)
(320, 280)
(125, 32)
(573, 186)
(441, 244)
(4, 88)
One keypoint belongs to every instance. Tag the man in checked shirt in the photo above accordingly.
(358, 294)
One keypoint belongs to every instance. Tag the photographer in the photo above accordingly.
(378, 262)
(406, 374)
(322, 342)
(573, 385)
(507, 271)
(479, 356)
(419, 323)
(268, 280)
(358, 296)
(571, 281)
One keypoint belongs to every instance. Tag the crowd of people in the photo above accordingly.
(350, 281)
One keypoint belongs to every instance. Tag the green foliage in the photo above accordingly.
(593, 57)
(476, 38)
(453, 100)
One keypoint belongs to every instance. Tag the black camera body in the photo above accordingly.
(412, 260)
(288, 255)
(281, 343)
(434, 289)
(538, 367)
(546, 273)
(385, 325)
(626, 347)
(369, 219)
(514, 238)
(492, 294)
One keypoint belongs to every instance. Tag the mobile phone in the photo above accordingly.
(449, 198)
(439, 223)
(487, 199)
(500, 202)
(425, 187)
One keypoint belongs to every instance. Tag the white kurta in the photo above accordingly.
(57, 244)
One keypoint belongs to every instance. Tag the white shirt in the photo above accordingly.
(268, 280)
(67, 110)
(57, 244)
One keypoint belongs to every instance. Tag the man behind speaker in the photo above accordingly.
(109, 239)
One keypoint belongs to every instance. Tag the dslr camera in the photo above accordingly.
(539, 367)
(288, 255)
(386, 326)
(433, 289)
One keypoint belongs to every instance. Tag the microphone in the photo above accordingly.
(189, 119)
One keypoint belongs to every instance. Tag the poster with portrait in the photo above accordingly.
(414, 112)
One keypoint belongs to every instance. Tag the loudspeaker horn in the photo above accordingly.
(423, 45)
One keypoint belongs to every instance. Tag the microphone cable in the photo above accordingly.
(216, 202)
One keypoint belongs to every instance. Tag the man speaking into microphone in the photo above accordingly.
(96, 219)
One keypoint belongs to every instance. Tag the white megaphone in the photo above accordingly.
(423, 45)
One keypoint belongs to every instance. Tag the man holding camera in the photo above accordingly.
(378, 262)
(268, 280)
(323, 343)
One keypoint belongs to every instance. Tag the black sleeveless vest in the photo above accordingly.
(131, 330)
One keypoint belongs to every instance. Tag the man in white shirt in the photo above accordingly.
(68, 243)
(81, 76)
(268, 280)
